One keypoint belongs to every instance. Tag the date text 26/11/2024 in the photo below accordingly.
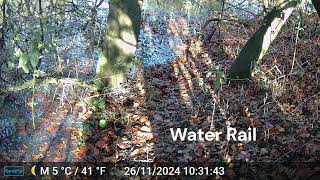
(231, 134)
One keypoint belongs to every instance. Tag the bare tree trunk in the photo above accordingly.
(316, 4)
(258, 44)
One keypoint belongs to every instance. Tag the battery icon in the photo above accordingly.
(13, 171)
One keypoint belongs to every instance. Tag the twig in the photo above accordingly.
(213, 112)
(265, 110)
(242, 9)
(295, 47)
(235, 79)
(241, 95)
(307, 100)
(243, 22)
(293, 150)
(221, 18)
(33, 102)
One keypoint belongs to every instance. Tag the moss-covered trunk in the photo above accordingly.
(258, 44)
(123, 27)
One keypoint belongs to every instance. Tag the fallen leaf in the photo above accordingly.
(145, 128)
(62, 145)
(82, 150)
(100, 144)
(145, 135)
(109, 159)
(136, 152)
(52, 129)
(124, 145)
(227, 158)
(37, 156)
(143, 119)
(96, 152)
(109, 149)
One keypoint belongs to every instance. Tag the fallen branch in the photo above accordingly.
(29, 84)
(305, 101)
(246, 23)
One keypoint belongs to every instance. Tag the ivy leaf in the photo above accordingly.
(200, 81)
(101, 104)
(43, 45)
(35, 43)
(17, 38)
(206, 88)
(220, 74)
(34, 58)
(218, 67)
(208, 74)
(217, 84)
(39, 73)
(121, 120)
(94, 108)
(23, 63)
(11, 65)
(112, 114)
(52, 45)
(103, 123)
(18, 52)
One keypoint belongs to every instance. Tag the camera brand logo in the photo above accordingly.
(13, 171)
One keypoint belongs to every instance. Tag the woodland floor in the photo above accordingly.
(283, 107)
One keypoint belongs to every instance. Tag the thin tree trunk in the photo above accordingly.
(41, 29)
(27, 3)
(4, 26)
(40, 16)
